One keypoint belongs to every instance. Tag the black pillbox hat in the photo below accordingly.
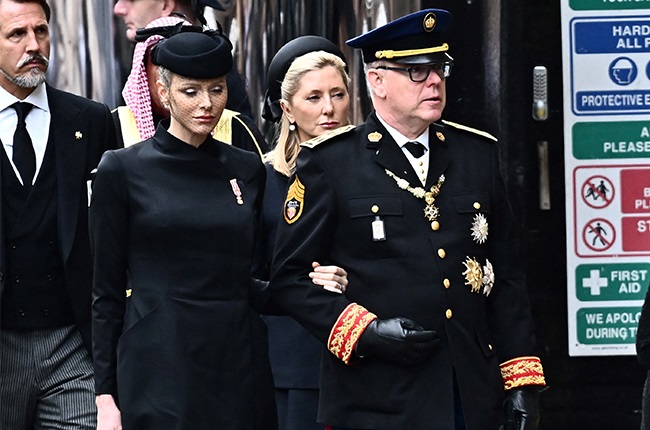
(194, 55)
(281, 63)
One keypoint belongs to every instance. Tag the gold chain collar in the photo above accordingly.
(431, 212)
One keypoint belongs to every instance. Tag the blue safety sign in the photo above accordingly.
(610, 65)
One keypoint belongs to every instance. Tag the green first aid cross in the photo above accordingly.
(601, 282)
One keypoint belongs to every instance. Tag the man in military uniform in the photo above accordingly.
(435, 330)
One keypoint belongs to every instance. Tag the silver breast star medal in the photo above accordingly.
(431, 211)
(479, 229)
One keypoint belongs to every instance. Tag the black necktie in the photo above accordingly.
(415, 148)
(24, 156)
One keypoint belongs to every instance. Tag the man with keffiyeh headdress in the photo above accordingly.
(236, 126)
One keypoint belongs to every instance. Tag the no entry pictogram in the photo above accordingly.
(598, 234)
(598, 192)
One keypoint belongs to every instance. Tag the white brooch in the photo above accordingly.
(488, 277)
(473, 274)
(479, 228)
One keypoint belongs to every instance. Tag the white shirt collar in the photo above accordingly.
(38, 98)
(400, 139)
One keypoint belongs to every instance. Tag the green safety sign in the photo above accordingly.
(597, 326)
(623, 281)
(609, 140)
(609, 4)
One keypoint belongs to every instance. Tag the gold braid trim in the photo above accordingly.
(389, 53)
(522, 371)
(346, 331)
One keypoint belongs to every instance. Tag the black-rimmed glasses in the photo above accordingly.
(420, 72)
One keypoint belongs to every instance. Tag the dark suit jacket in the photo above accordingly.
(416, 272)
(80, 130)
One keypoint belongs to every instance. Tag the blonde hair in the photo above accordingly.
(284, 154)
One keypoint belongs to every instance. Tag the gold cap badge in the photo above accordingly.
(429, 22)
(375, 136)
(440, 136)
(294, 202)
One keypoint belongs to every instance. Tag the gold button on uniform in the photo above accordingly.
(448, 314)
(374, 209)
(477, 205)
(435, 225)
(442, 253)
(490, 346)
(446, 283)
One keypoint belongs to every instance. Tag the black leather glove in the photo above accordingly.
(397, 339)
(522, 409)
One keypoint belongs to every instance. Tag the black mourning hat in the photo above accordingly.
(200, 55)
(280, 65)
(417, 38)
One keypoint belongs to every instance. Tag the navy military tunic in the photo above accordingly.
(420, 270)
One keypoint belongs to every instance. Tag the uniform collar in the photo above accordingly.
(400, 139)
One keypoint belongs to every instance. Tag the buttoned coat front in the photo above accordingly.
(419, 271)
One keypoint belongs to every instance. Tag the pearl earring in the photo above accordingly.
(292, 126)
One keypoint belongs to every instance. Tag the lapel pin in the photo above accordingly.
(440, 136)
(375, 136)
(78, 135)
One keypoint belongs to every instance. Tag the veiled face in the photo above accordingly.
(321, 103)
(195, 105)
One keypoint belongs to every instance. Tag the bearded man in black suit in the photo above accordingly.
(51, 141)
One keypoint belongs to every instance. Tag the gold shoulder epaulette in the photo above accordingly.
(323, 137)
(470, 129)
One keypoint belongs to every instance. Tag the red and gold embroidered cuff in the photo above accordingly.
(346, 331)
(522, 371)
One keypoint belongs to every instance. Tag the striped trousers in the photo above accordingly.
(46, 380)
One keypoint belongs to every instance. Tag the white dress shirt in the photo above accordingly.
(421, 164)
(38, 124)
